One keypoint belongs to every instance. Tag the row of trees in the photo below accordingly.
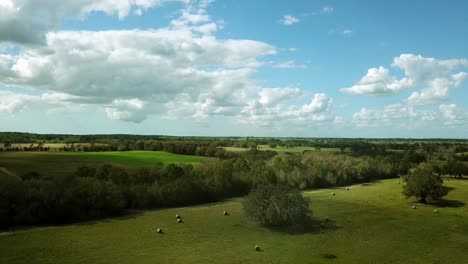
(97, 192)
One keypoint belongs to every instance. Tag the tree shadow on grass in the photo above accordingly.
(371, 183)
(450, 203)
(122, 217)
(308, 226)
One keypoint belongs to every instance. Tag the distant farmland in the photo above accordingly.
(59, 163)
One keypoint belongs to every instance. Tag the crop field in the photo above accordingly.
(59, 163)
(370, 223)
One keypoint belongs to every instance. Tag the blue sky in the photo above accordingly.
(241, 68)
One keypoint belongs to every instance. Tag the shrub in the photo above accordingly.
(276, 205)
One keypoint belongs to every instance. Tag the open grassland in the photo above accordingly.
(370, 223)
(60, 163)
(285, 149)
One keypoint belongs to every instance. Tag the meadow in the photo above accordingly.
(61, 163)
(370, 223)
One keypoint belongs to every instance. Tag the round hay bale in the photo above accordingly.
(179, 220)
(347, 188)
(257, 248)
(178, 216)
(435, 211)
(226, 213)
(398, 182)
(333, 193)
(159, 230)
(414, 207)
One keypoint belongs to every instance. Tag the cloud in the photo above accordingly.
(437, 91)
(182, 71)
(407, 115)
(130, 63)
(452, 115)
(290, 64)
(273, 96)
(154, 65)
(127, 110)
(347, 32)
(422, 69)
(378, 81)
(177, 72)
(327, 10)
(318, 111)
(288, 20)
(338, 120)
(390, 115)
(12, 103)
(27, 21)
(436, 77)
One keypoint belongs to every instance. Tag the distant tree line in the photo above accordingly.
(412, 151)
(115, 142)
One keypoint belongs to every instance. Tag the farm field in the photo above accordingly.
(59, 163)
(370, 223)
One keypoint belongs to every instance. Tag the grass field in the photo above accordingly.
(285, 149)
(370, 223)
(59, 163)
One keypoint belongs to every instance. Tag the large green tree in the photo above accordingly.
(277, 205)
(423, 184)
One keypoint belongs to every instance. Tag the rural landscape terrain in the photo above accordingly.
(233, 131)
(74, 199)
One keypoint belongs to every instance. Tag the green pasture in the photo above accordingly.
(59, 163)
(370, 223)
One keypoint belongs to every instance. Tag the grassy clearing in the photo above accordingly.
(60, 163)
(370, 223)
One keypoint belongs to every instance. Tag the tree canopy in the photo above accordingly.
(423, 184)
(276, 205)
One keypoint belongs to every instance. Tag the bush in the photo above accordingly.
(276, 205)
(423, 184)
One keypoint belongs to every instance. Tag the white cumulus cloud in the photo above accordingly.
(378, 81)
(436, 78)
